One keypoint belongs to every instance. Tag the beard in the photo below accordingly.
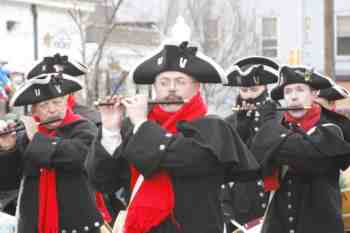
(261, 98)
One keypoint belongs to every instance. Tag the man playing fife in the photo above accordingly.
(46, 162)
(303, 153)
(173, 158)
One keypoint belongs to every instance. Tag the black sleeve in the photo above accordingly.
(232, 120)
(10, 170)
(313, 151)
(185, 157)
(107, 173)
(152, 149)
(340, 120)
(66, 152)
(198, 148)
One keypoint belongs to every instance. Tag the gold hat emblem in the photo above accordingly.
(307, 76)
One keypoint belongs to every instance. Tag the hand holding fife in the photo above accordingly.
(247, 106)
(7, 141)
(268, 110)
(136, 108)
(30, 125)
(112, 115)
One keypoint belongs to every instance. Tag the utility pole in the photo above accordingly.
(35, 30)
(34, 10)
(329, 63)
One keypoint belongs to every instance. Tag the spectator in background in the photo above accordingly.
(5, 83)
(244, 202)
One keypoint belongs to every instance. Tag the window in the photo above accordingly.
(343, 35)
(269, 37)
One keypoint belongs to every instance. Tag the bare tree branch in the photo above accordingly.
(111, 24)
(82, 23)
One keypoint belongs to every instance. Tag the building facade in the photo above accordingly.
(25, 39)
(293, 32)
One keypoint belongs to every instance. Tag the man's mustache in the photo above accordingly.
(250, 100)
(173, 97)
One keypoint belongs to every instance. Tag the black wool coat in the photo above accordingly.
(66, 153)
(308, 199)
(199, 158)
(245, 201)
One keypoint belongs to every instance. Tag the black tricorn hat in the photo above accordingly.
(180, 58)
(57, 63)
(336, 92)
(299, 74)
(44, 87)
(253, 71)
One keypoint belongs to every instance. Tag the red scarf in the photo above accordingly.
(101, 206)
(155, 199)
(71, 102)
(306, 122)
(48, 221)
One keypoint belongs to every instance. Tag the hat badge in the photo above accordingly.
(160, 61)
(37, 92)
(183, 61)
(58, 88)
(58, 68)
(307, 76)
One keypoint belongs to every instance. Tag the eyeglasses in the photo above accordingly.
(166, 83)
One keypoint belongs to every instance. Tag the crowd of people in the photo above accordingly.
(163, 164)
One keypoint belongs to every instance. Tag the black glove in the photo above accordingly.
(268, 111)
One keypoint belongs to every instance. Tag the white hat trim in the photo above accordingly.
(79, 66)
(342, 90)
(198, 54)
(155, 52)
(244, 73)
(302, 67)
(267, 58)
(41, 81)
(217, 67)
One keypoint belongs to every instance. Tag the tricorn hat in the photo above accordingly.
(299, 74)
(336, 92)
(57, 63)
(44, 87)
(52, 77)
(181, 58)
(253, 71)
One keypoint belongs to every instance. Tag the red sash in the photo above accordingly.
(155, 199)
(48, 219)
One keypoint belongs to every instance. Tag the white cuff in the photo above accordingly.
(110, 140)
(136, 127)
